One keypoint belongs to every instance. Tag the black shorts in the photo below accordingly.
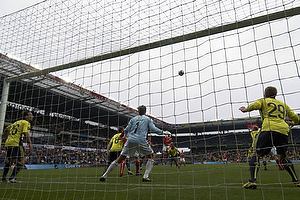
(15, 152)
(267, 139)
(113, 155)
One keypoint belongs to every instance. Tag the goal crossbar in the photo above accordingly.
(210, 31)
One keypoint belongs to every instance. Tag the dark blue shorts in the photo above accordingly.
(15, 152)
(267, 139)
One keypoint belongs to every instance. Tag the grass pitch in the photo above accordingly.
(213, 181)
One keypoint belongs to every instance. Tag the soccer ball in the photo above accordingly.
(181, 72)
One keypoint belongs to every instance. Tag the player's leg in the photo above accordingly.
(280, 142)
(176, 162)
(147, 150)
(112, 166)
(128, 150)
(122, 168)
(279, 163)
(289, 167)
(10, 160)
(262, 147)
(7, 165)
(137, 156)
(149, 166)
(142, 158)
(113, 155)
(5, 171)
(6, 168)
(109, 160)
(254, 167)
(137, 166)
(127, 162)
(264, 162)
(19, 166)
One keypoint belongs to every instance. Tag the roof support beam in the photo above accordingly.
(190, 36)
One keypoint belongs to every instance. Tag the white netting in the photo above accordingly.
(222, 72)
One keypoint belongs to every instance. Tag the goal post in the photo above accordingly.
(3, 105)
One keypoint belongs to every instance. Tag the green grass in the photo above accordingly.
(215, 181)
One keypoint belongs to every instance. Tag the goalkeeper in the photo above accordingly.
(136, 133)
(274, 132)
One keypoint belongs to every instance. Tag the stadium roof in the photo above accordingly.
(53, 94)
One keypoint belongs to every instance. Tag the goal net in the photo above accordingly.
(83, 67)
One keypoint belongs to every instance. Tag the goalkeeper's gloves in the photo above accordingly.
(167, 133)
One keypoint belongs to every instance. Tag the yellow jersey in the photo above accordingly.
(173, 152)
(16, 130)
(116, 143)
(254, 136)
(273, 113)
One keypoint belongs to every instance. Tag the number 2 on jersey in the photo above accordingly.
(277, 108)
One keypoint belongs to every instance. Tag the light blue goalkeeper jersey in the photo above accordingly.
(138, 127)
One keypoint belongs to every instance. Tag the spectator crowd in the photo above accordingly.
(71, 141)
